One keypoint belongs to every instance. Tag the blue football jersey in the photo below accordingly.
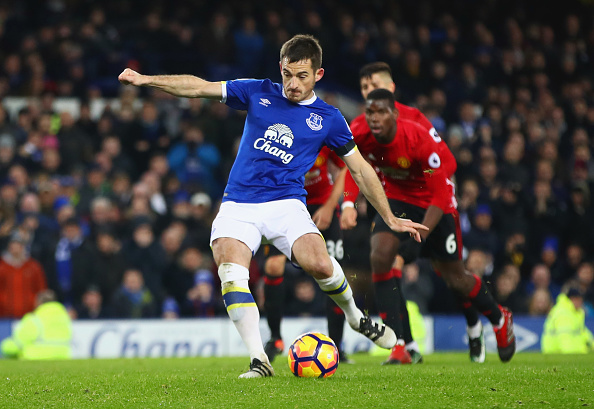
(280, 142)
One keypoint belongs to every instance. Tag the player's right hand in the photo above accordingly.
(406, 225)
(348, 218)
(130, 77)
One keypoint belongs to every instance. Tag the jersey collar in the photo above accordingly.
(305, 102)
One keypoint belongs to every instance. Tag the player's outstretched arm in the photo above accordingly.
(371, 187)
(188, 86)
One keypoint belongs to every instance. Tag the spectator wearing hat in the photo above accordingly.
(21, 278)
(193, 286)
(549, 256)
(200, 220)
(170, 309)
(481, 235)
(69, 264)
(565, 330)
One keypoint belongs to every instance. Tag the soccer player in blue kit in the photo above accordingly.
(285, 128)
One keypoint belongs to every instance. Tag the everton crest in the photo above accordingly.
(314, 122)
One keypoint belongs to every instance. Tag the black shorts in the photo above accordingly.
(445, 241)
(332, 235)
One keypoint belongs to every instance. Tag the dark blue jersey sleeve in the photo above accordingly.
(236, 93)
(340, 137)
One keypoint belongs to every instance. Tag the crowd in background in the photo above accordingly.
(114, 212)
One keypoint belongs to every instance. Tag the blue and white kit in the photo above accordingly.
(280, 142)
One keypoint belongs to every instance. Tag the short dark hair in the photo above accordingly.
(373, 68)
(381, 93)
(303, 47)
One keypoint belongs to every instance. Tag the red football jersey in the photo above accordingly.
(318, 182)
(410, 167)
(448, 162)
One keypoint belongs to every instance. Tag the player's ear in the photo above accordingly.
(319, 74)
(280, 66)
(396, 113)
(393, 87)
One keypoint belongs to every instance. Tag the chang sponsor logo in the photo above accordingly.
(277, 134)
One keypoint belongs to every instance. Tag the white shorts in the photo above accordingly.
(280, 222)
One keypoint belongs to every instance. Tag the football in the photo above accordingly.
(313, 355)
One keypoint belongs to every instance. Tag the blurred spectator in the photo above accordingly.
(549, 256)
(541, 278)
(108, 264)
(76, 147)
(194, 161)
(507, 289)
(565, 330)
(467, 204)
(540, 303)
(147, 255)
(479, 262)
(7, 154)
(481, 236)
(133, 299)
(200, 219)
(193, 286)
(170, 309)
(69, 264)
(91, 307)
(21, 279)
(307, 301)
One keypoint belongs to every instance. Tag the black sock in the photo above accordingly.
(274, 302)
(387, 295)
(335, 322)
(482, 299)
(470, 312)
(406, 332)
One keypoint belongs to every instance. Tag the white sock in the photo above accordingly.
(338, 288)
(475, 330)
(413, 346)
(242, 308)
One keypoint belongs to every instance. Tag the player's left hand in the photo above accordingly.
(406, 225)
(323, 217)
(410, 250)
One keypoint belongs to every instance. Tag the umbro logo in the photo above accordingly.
(264, 102)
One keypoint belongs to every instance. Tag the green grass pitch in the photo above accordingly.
(445, 380)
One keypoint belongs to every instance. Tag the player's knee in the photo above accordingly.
(380, 261)
(320, 268)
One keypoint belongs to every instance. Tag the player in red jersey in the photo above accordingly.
(323, 195)
(417, 185)
(378, 75)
